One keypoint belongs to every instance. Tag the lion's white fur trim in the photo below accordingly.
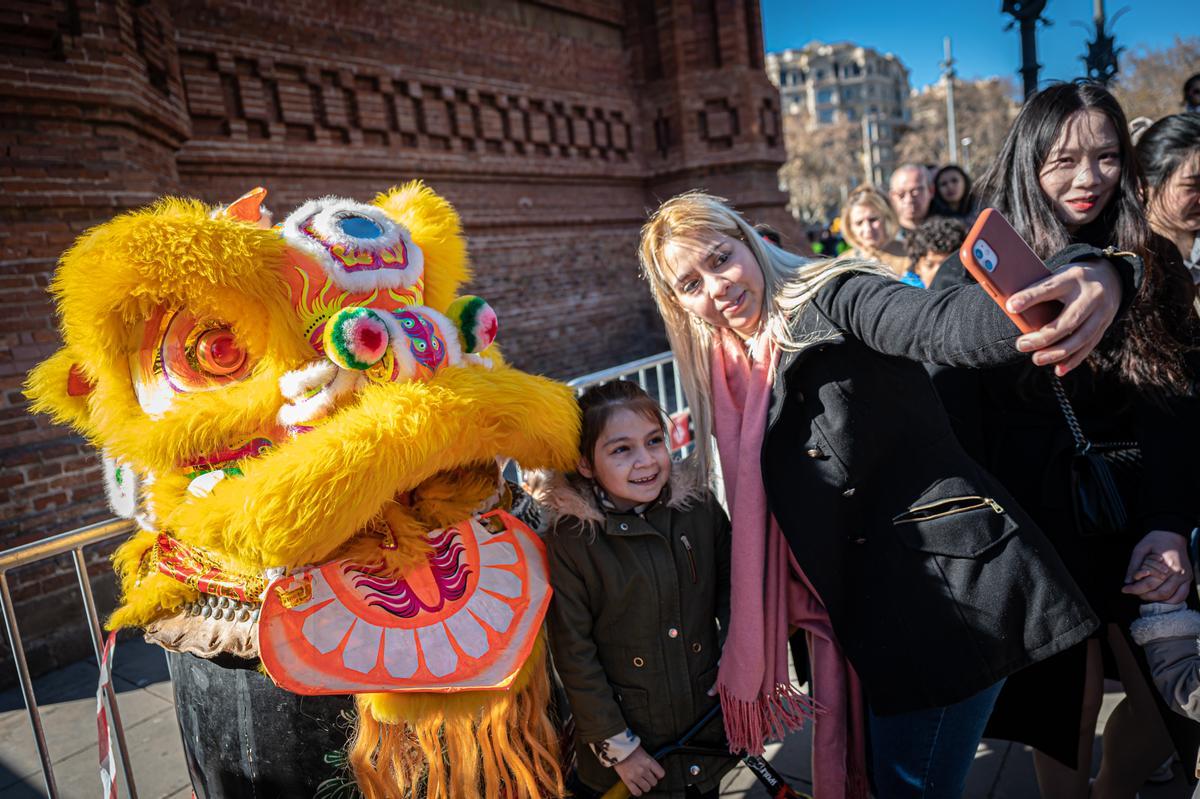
(325, 213)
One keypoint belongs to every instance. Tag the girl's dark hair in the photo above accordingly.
(598, 404)
(1148, 350)
(940, 206)
(1165, 145)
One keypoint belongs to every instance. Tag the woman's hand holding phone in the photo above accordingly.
(1064, 315)
(1090, 293)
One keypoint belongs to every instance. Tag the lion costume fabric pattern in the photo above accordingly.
(306, 421)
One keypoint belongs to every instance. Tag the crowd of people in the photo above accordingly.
(910, 483)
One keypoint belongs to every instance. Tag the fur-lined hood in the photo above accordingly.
(570, 496)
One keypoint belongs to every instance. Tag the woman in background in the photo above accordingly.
(1169, 153)
(869, 225)
(952, 193)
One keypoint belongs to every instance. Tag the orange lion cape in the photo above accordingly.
(306, 421)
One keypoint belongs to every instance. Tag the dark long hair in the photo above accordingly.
(940, 206)
(1147, 349)
(1165, 145)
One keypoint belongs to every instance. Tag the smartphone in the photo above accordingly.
(1003, 264)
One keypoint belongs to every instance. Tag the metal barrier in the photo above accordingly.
(643, 370)
(650, 373)
(73, 542)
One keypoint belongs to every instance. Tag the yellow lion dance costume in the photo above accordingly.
(306, 420)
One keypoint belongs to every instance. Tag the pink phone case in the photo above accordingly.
(1003, 264)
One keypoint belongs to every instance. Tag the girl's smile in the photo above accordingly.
(631, 461)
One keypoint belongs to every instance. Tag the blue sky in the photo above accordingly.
(913, 30)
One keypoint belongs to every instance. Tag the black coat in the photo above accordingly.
(937, 584)
(1009, 420)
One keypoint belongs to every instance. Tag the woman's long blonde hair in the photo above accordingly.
(876, 200)
(789, 282)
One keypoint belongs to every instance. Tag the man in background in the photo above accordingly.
(910, 193)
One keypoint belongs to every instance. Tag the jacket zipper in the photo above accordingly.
(691, 557)
(927, 512)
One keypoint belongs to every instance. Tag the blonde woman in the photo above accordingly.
(856, 514)
(869, 225)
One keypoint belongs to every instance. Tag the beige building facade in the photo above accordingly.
(831, 84)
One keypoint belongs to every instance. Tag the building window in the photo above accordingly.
(825, 96)
(825, 116)
(820, 74)
(851, 116)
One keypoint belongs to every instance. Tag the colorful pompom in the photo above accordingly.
(356, 338)
(476, 321)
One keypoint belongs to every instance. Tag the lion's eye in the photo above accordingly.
(359, 227)
(178, 353)
(218, 353)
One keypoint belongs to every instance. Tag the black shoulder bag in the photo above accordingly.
(1104, 477)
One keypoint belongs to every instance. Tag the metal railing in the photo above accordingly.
(74, 543)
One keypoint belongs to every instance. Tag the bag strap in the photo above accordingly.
(1082, 445)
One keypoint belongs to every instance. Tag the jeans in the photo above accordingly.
(926, 754)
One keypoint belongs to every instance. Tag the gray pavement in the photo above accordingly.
(67, 698)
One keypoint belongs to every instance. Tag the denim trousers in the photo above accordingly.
(926, 754)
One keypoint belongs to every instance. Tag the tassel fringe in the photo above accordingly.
(748, 725)
(507, 747)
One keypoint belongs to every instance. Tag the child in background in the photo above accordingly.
(640, 570)
(932, 243)
(1169, 631)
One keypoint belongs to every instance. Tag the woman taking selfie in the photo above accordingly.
(1067, 179)
(856, 514)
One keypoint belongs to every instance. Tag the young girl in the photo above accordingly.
(640, 570)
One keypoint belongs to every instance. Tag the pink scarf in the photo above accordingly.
(770, 596)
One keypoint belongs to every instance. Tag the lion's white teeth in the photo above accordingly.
(203, 485)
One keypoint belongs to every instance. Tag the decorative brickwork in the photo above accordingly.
(551, 125)
(246, 97)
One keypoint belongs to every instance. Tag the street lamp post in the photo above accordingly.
(951, 123)
(1101, 59)
(1027, 13)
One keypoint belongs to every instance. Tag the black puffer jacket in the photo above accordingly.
(938, 585)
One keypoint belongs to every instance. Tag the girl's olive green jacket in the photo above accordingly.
(635, 623)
